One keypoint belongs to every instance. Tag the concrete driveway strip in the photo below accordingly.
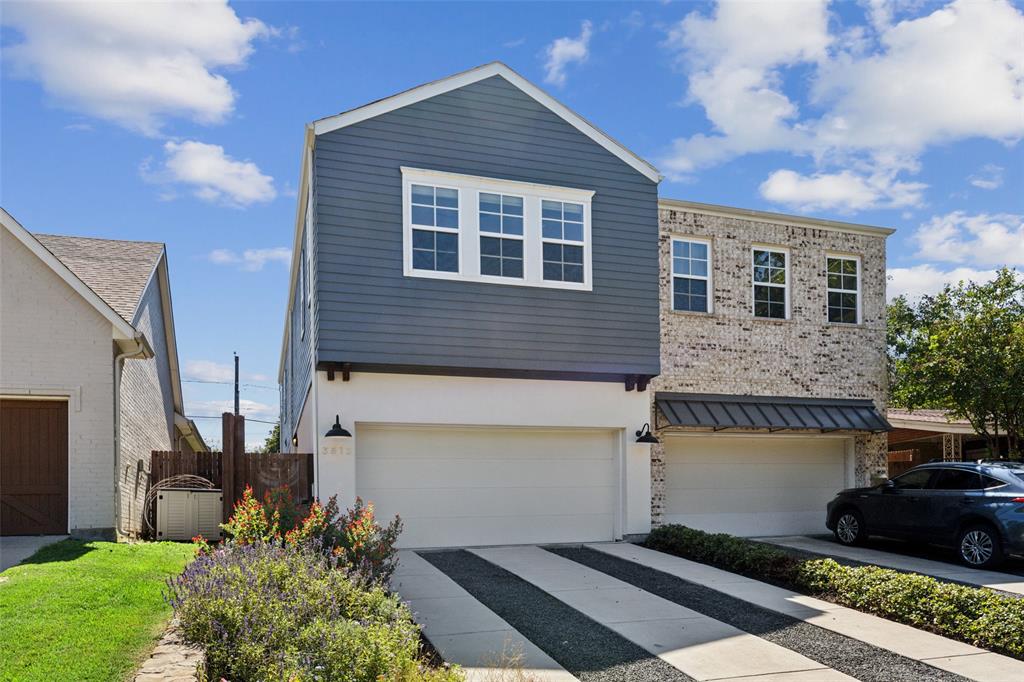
(1005, 582)
(14, 548)
(939, 652)
(699, 646)
(463, 630)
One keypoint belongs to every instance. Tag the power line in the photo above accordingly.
(266, 387)
(248, 419)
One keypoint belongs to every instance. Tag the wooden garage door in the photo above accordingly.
(464, 486)
(771, 485)
(33, 467)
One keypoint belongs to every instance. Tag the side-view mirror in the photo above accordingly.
(888, 485)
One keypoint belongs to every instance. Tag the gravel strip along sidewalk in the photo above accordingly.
(588, 650)
(855, 658)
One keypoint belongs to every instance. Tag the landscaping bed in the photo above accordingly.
(301, 597)
(85, 610)
(978, 616)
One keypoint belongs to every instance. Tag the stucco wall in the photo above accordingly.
(52, 342)
(731, 351)
(147, 409)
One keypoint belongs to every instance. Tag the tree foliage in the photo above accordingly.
(273, 441)
(962, 351)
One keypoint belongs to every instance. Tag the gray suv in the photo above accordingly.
(978, 508)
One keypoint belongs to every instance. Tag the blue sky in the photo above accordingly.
(183, 124)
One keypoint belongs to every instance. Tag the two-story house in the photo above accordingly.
(477, 293)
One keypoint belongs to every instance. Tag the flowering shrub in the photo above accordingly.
(361, 545)
(275, 611)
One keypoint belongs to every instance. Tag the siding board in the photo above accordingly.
(368, 312)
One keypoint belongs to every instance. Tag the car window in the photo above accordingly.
(990, 482)
(913, 480)
(957, 479)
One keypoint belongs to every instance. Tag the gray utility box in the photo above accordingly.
(183, 513)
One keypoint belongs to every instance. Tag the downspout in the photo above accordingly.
(142, 351)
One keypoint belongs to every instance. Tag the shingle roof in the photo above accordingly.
(930, 416)
(116, 270)
(720, 412)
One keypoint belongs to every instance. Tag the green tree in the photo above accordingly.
(273, 441)
(962, 351)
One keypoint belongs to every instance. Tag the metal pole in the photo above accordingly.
(236, 384)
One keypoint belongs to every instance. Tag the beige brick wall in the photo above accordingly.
(147, 410)
(730, 351)
(53, 342)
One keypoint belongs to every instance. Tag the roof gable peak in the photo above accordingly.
(459, 80)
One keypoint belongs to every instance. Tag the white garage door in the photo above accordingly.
(752, 486)
(464, 486)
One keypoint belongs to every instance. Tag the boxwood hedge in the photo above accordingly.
(975, 615)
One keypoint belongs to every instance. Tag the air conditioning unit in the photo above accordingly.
(183, 513)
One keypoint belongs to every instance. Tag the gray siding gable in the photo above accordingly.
(370, 315)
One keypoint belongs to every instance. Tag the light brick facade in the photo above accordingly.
(147, 409)
(53, 343)
(730, 351)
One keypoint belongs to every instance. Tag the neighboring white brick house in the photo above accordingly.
(68, 307)
(728, 350)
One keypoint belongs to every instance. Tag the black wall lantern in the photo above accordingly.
(337, 431)
(644, 435)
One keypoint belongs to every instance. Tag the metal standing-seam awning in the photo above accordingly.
(720, 412)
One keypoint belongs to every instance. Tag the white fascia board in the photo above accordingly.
(773, 218)
(439, 87)
(121, 330)
(305, 168)
(935, 427)
(170, 335)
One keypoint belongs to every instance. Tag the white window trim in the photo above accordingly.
(708, 279)
(775, 249)
(501, 279)
(860, 272)
(469, 188)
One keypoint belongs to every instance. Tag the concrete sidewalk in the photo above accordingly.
(1005, 582)
(16, 548)
(463, 630)
(939, 652)
(693, 643)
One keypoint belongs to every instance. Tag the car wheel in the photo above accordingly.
(979, 546)
(850, 528)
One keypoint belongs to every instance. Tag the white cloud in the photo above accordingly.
(135, 64)
(251, 260)
(927, 279)
(879, 94)
(990, 176)
(565, 51)
(845, 191)
(213, 175)
(982, 239)
(207, 370)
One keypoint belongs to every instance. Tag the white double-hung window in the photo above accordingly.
(480, 229)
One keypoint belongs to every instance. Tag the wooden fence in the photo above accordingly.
(234, 469)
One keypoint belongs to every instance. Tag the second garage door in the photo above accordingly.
(752, 486)
(465, 486)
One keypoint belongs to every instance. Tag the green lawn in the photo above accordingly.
(85, 610)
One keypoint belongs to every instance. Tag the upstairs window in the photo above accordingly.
(501, 235)
(437, 248)
(562, 232)
(843, 273)
(691, 275)
(771, 283)
(495, 231)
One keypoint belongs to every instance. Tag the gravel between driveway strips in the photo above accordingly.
(585, 648)
(855, 658)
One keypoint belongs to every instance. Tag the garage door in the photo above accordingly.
(458, 486)
(752, 486)
(33, 467)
